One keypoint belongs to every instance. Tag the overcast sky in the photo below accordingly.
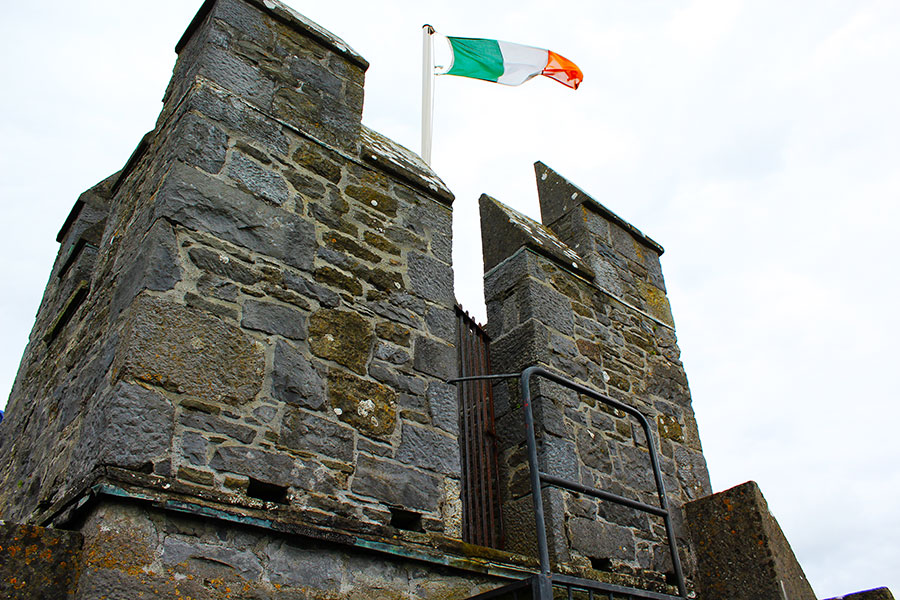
(757, 141)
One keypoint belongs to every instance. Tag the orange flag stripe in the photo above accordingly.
(562, 70)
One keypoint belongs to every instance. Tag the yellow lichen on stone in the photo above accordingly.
(656, 303)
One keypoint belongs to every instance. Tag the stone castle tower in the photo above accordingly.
(241, 379)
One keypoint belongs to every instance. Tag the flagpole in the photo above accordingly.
(427, 90)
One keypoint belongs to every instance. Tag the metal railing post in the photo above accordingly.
(543, 589)
(542, 583)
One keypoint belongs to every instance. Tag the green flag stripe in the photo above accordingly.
(477, 58)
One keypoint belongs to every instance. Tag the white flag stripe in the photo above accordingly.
(521, 63)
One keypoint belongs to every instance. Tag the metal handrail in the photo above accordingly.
(545, 580)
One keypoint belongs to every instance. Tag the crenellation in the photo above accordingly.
(240, 377)
(595, 338)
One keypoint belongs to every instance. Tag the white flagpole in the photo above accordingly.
(427, 91)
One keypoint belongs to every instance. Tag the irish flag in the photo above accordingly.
(509, 64)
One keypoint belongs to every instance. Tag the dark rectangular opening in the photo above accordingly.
(601, 564)
(268, 492)
(406, 519)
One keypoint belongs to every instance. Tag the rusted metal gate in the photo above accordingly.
(482, 522)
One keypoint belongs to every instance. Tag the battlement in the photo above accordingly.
(243, 373)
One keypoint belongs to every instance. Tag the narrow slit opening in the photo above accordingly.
(68, 311)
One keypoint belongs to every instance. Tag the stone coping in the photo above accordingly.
(378, 149)
(585, 199)
(538, 238)
(289, 16)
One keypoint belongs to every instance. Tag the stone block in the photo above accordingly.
(633, 468)
(237, 75)
(342, 336)
(741, 551)
(443, 405)
(519, 348)
(306, 432)
(195, 448)
(234, 115)
(335, 278)
(692, 472)
(270, 467)
(558, 457)
(655, 302)
(129, 427)
(390, 353)
(177, 551)
(593, 451)
(263, 182)
(311, 568)
(597, 539)
(393, 333)
(541, 302)
(274, 319)
(222, 264)
(508, 276)
(431, 221)
(345, 245)
(435, 358)
(216, 287)
(200, 143)
(38, 563)
(244, 18)
(153, 266)
(381, 243)
(396, 484)
(294, 380)
(373, 199)
(368, 406)
(429, 449)
(431, 279)
(317, 112)
(441, 323)
(321, 294)
(215, 424)
(186, 351)
(198, 201)
(314, 158)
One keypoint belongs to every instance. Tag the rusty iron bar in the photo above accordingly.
(482, 520)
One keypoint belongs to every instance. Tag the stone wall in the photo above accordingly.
(243, 348)
(589, 303)
(259, 304)
(742, 553)
(133, 551)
